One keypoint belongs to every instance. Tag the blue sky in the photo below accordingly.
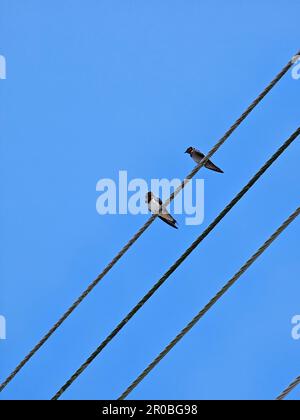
(101, 86)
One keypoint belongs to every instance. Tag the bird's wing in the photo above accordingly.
(213, 167)
(157, 207)
(199, 155)
(167, 218)
(165, 215)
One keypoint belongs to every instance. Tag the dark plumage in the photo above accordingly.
(155, 205)
(197, 156)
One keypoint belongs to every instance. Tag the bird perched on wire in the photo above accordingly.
(197, 156)
(155, 205)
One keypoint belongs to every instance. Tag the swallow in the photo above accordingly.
(197, 156)
(155, 205)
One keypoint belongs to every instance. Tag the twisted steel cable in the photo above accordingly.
(147, 224)
(180, 260)
(289, 389)
(211, 303)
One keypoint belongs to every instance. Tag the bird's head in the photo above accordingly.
(148, 197)
(189, 150)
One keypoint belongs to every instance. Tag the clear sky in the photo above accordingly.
(94, 87)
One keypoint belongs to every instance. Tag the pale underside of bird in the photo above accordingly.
(155, 205)
(197, 156)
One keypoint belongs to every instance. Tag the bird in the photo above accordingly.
(155, 205)
(197, 156)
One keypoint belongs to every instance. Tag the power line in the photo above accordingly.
(180, 260)
(211, 303)
(289, 389)
(146, 225)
